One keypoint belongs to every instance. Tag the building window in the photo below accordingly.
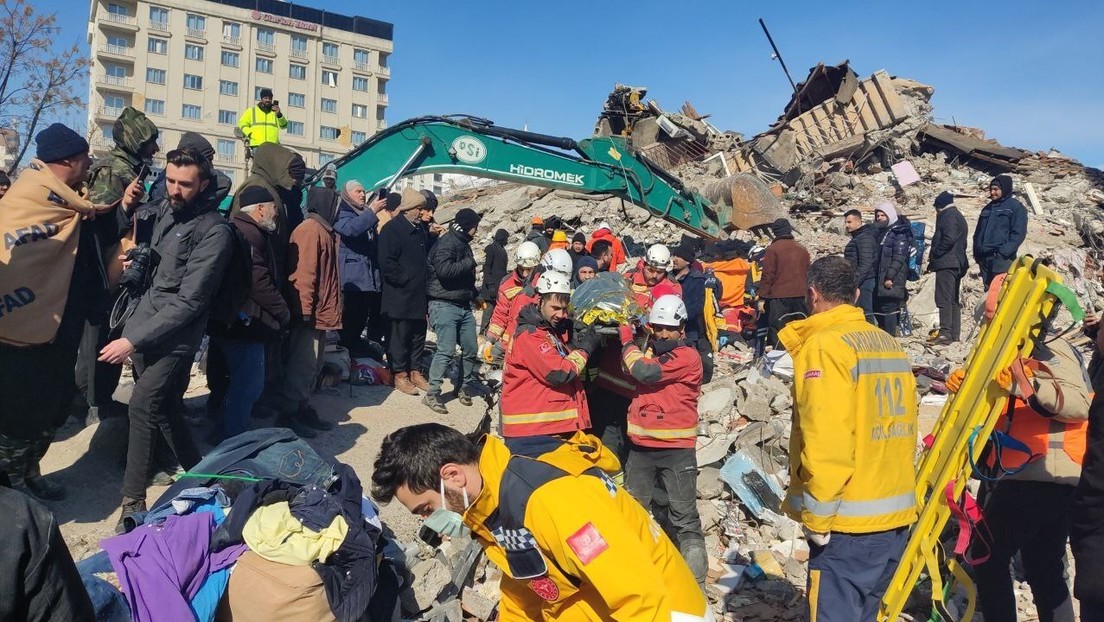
(115, 71)
(228, 87)
(155, 106)
(325, 158)
(188, 111)
(359, 137)
(227, 117)
(329, 78)
(231, 31)
(360, 111)
(382, 87)
(328, 133)
(155, 76)
(225, 149)
(329, 53)
(193, 52)
(158, 46)
(108, 132)
(257, 92)
(298, 72)
(230, 59)
(158, 15)
(196, 24)
(329, 105)
(194, 83)
(295, 128)
(297, 100)
(360, 84)
(117, 9)
(118, 43)
(361, 58)
(266, 36)
(298, 46)
(264, 65)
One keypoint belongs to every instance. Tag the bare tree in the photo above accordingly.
(34, 78)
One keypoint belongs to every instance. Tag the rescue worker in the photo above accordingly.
(571, 544)
(1028, 509)
(852, 444)
(650, 279)
(262, 123)
(536, 235)
(505, 309)
(542, 391)
(605, 233)
(559, 240)
(663, 425)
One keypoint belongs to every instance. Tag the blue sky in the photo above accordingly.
(1028, 72)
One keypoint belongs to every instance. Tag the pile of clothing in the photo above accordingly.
(267, 530)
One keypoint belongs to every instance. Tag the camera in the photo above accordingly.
(136, 277)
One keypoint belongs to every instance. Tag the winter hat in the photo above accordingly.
(502, 236)
(431, 199)
(329, 172)
(252, 195)
(586, 261)
(265, 92)
(1004, 182)
(537, 220)
(578, 237)
(684, 252)
(888, 210)
(944, 199)
(58, 142)
(781, 228)
(198, 142)
(411, 199)
(467, 219)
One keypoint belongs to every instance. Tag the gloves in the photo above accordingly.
(819, 539)
(486, 351)
(1004, 378)
(626, 333)
(954, 380)
(587, 339)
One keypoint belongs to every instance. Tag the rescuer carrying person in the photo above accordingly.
(528, 257)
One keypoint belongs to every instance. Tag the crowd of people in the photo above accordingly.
(593, 469)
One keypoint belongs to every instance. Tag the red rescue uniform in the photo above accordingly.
(506, 308)
(664, 412)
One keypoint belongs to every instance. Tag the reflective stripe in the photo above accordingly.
(853, 509)
(814, 594)
(662, 433)
(524, 418)
(511, 292)
(880, 366)
(632, 357)
(577, 359)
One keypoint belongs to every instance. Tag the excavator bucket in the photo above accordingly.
(753, 204)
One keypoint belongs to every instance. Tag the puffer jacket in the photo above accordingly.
(853, 435)
(1001, 229)
(451, 268)
(862, 252)
(893, 255)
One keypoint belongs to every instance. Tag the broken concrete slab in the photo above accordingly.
(709, 483)
(477, 605)
(716, 403)
(429, 579)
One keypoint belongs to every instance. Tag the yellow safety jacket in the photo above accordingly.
(260, 126)
(853, 435)
(572, 544)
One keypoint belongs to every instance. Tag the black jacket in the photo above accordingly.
(402, 261)
(1001, 228)
(266, 307)
(451, 268)
(536, 236)
(495, 268)
(693, 294)
(948, 245)
(193, 246)
(862, 252)
(893, 254)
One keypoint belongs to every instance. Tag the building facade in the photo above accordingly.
(196, 65)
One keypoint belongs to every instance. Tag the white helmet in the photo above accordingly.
(558, 259)
(528, 255)
(553, 282)
(658, 256)
(669, 310)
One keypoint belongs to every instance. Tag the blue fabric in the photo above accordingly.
(108, 602)
(454, 325)
(205, 602)
(357, 254)
(854, 572)
(191, 499)
(246, 362)
(693, 295)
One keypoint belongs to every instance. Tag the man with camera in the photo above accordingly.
(262, 123)
(190, 247)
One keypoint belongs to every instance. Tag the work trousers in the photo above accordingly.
(782, 311)
(608, 419)
(705, 351)
(675, 471)
(1034, 519)
(485, 317)
(406, 345)
(454, 325)
(303, 365)
(96, 380)
(889, 313)
(866, 300)
(849, 576)
(159, 385)
(947, 300)
(245, 363)
(355, 314)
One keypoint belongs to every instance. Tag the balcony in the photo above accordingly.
(196, 33)
(267, 48)
(117, 82)
(365, 67)
(117, 50)
(384, 72)
(224, 157)
(157, 26)
(381, 99)
(231, 40)
(110, 112)
(116, 20)
(331, 60)
(301, 54)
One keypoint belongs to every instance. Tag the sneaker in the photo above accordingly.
(463, 397)
(310, 417)
(163, 478)
(301, 429)
(44, 489)
(433, 402)
(130, 508)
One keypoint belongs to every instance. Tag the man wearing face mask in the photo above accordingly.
(571, 543)
(265, 313)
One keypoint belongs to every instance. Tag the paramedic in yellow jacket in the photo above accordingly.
(262, 123)
(572, 545)
(852, 444)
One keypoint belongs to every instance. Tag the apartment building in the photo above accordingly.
(195, 65)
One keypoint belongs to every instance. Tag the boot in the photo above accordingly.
(433, 402)
(419, 380)
(300, 427)
(130, 508)
(403, 383)
(309, 416)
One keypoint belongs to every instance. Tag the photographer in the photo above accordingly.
(262, 123)
(192, 244)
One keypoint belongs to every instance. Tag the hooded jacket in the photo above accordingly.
(893, 254)
(862, 252)
(359, 248)
(1001, 229)
(110, 176)
(536, 236)
(451, 268)
(280, 171)
(312, 264)
(733, 277)
(948, 245)
(617, 248)
(495, 265)
(785, 266)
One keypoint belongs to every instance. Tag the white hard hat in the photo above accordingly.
(558, 259)
(553, 282)
(669, 310)
(658, 256)
(528, 255)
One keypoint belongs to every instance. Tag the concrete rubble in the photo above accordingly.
(835, 147)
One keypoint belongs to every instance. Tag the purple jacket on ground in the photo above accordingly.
(162, 567)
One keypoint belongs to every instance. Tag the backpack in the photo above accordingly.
(237, 279)
(916, 251)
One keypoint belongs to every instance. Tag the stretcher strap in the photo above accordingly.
(999, 442)
(970, 519)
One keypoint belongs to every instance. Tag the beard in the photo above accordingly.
(454, 501)
(268, 224)
(177, 203)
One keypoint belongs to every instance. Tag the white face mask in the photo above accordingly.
(447, 522)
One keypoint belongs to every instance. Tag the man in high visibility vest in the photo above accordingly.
(262, 123)
(852, 443)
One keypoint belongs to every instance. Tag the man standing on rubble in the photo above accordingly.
(536, 235)
(700, 303)
(852, 443)
(782, 286)
(1001, 228)
(891, 271)
(403, 247)
(948, 261)
(862, 252)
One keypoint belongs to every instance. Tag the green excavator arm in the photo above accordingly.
(474, 146)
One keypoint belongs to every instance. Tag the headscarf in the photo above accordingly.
(347, 194)
(322, 201)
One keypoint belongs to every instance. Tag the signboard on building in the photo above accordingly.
(284, 21)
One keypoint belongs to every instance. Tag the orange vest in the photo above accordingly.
(1040, 434)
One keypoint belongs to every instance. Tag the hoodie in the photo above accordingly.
(275, 168)
(495, 266)
(1001, 229)
(312, 263)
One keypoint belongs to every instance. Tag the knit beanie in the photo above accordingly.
(684, 252)
(252, 195)
(781, 228)
(467, 219)
(58, 142)
(578, 237)
(944, 199)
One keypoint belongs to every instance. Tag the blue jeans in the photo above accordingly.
(849, 576)
(246, 362)
(454, 325)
